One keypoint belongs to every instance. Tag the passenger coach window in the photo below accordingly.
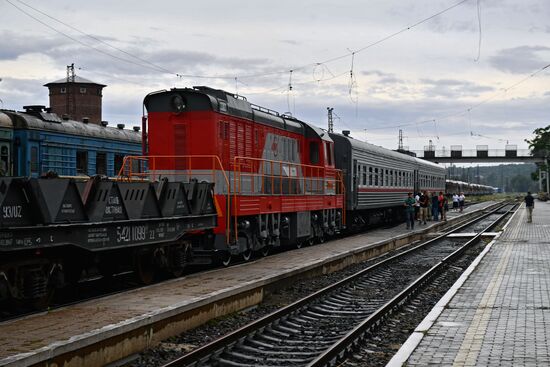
(34, 159)
(364, 175)
(313, 152)
(82, 162)
(119, 159)
(101, 163)
(370, 176)
(4, 161)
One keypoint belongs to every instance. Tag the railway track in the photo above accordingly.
(319, 329)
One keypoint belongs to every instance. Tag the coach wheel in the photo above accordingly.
(145, 267)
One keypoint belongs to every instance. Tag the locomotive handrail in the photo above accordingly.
(330, 177)
(147, 168)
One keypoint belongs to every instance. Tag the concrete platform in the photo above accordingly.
(99, 332)
(498, 312)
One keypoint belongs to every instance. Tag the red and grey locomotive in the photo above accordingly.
(275, 176)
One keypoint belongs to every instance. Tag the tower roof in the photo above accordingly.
(77, 79)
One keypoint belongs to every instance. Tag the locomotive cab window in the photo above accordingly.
(313, 152)
(329, 158)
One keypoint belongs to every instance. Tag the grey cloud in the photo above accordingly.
(520, 60)
(451, 88)
(13, 45)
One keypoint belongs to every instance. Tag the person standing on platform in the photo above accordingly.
(443, 205)
(461, 201)
(530, 205)
(435, 207)
(455, 202)
(409, 210)
(417, 208)
(424, 206)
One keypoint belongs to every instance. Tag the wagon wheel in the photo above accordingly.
(144, 267)
(42, 302)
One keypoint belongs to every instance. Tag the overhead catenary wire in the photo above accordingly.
(158, 68)
(479, 25)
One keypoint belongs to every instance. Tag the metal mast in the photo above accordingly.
(330, 120)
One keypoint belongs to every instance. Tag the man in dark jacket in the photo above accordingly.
(409, 210)
(530, 205)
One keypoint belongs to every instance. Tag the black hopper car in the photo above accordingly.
(52, 229)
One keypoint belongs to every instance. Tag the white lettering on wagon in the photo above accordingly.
(12, 211)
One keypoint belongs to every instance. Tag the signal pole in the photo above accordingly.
(330, 120)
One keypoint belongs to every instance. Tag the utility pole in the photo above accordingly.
(71, 106)
(330, 121)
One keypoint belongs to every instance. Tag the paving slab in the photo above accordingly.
(41, 337)
(498, 313)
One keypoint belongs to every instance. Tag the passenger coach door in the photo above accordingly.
(416, 184)
(355, 184)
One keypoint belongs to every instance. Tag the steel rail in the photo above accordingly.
(338, 350)
(217, 346)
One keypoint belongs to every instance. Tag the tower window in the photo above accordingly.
(82, 90)
(63, 90)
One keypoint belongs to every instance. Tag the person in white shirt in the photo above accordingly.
(455, 202)
(461, 200)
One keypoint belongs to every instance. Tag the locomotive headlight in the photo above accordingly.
(178, 103)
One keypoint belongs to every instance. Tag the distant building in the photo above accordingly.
(77, 98)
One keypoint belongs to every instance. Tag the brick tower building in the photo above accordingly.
(76, 97)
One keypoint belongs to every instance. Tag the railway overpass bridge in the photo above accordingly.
(481, 154)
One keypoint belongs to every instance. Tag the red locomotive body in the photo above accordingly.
(275, 179)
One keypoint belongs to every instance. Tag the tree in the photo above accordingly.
(540, 144)
(540, 147)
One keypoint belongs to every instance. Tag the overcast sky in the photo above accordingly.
(428, 73)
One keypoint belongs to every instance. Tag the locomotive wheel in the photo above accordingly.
(299, 244)
(145, 269)
(225, 258)
(311, 241)
(264, 251)
(321, 238)
(247, 253)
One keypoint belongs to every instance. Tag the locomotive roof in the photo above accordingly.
(52, 122)
(206, 98)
